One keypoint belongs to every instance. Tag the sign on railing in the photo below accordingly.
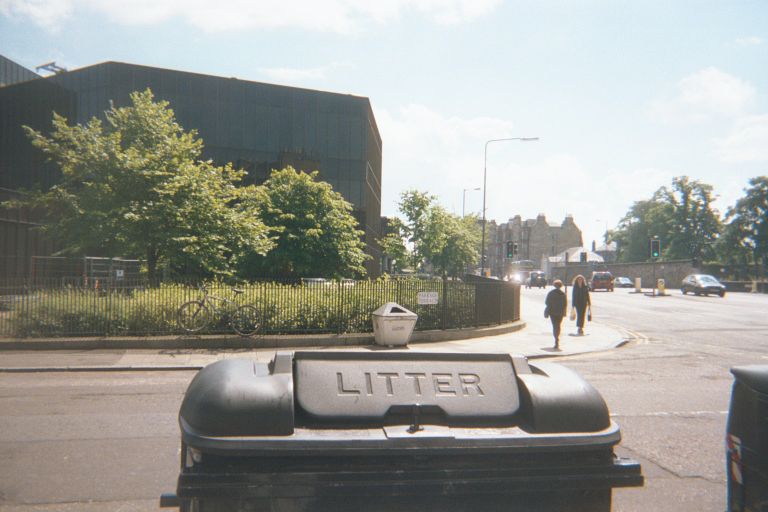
(426, 298)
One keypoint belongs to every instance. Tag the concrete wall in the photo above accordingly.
(672, 272)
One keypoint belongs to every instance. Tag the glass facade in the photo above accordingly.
(256, 126)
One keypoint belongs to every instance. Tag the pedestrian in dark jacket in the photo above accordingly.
(556, 308)
(580, 301)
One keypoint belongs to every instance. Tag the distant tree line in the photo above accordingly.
(683, 218)
(135, 186)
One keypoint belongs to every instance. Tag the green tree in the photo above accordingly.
(315, 232)
(644, 220)
(445, 241)
(695, 223)
(682, 216)
(747, 228)
(393, 244)
(450, 242)
(415, 206)
(133, 186)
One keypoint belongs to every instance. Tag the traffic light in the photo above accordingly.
(510, 250)
(655, 247)
(514, 249)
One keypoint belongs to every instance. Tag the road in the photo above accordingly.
(669, 390)
(109, 440)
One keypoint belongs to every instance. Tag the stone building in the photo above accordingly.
(535, 239)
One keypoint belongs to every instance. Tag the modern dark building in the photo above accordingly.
(256, 126)
(11, 73)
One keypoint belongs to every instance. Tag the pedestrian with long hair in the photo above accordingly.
(580, 301)
(556, 308)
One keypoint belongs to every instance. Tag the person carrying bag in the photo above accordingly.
(581, 302)
(556, 308)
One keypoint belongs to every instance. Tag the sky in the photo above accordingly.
(624, 95)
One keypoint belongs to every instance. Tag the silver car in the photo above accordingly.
(702, 284)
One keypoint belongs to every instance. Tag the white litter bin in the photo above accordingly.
(393, 324)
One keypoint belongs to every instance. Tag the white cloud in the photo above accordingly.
(749, 41)
(443, 155)
(342, 16)
(747, 142)
(429, 151)
(452, 12)
(705, 94)
(46, 13)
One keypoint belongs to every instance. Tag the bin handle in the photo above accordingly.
(415, 427)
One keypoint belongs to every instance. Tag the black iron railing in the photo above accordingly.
(82, 307)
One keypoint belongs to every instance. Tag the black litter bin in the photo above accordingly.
(396, 431)
(747, 440)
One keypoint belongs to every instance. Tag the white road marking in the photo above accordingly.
(665, 414)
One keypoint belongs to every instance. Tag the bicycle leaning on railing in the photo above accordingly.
(196, 315)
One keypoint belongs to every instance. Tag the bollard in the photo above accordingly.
(638, 284)
(661, 286)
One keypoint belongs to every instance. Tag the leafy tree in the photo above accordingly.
(415, 205)
(644, 220)
(747, 228)
(315, 232)
(450, 242)
(695, 224)
(438, 238)
(393, 244)
(134, 187)
(682, 216)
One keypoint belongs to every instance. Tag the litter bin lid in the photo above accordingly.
(344, 386)
(755, 376)
(394, 309)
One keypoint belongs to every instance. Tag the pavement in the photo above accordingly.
(531, 337)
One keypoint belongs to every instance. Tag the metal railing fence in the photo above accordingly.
(77, 307)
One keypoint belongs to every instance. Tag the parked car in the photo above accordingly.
(537, 278)
(702, 284)
(602, 280)
(622, 282)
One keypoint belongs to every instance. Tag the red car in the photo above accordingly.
(601, 281)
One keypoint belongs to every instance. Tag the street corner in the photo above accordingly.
(597, 337)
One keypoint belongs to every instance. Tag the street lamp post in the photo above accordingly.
(485, 174)
(464, 199)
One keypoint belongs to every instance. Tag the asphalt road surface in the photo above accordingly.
(108, 441)
(669, 390)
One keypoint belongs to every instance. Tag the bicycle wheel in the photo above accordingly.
(245, 321)
(193, 316)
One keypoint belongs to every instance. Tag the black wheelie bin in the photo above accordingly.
(747, 440)
(396, 431)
